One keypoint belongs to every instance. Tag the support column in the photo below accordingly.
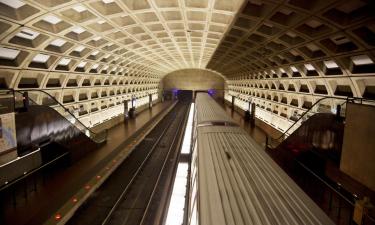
(252, 113)
(150, 101)
(126, 110)
(132, 110)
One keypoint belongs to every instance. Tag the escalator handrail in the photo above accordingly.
(55, 100)
(347, 99)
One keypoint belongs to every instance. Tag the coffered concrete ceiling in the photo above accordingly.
(273, 35)
(92, 53)
(151, 37)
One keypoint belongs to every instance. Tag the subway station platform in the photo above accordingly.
(41, 200)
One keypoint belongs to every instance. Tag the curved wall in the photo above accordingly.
(193, 79)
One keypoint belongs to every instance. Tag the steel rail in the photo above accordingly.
(164, 163)
(124, 192)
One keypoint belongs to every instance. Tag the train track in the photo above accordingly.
(125, 197)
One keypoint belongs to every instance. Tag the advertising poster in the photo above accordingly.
(8, 139)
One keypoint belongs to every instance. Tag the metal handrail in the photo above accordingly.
(28, 174)
(347, 99)
(326, 183)
(303, 114)
(61, 105)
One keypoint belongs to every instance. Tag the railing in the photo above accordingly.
(317, 107)
(320, 136)
(338, 203)
(40, 97)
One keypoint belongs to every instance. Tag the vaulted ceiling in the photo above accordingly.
(269, 35)
(155, 37)
(152, 37)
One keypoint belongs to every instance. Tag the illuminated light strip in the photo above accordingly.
(186, 144)
(176, 209)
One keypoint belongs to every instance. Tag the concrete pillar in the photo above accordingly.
(150, 101)
(126, 110)
(252, 113)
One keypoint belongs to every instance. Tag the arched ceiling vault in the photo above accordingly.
(319, 41)
(91, 53)
(142, 37)
(274, 37)
(213, 71)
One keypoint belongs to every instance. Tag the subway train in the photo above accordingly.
(233, 181)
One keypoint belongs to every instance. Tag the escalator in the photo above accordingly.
(315, 137)
(310, 151)
(45, 121)
(315, 141)
(48, 135)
